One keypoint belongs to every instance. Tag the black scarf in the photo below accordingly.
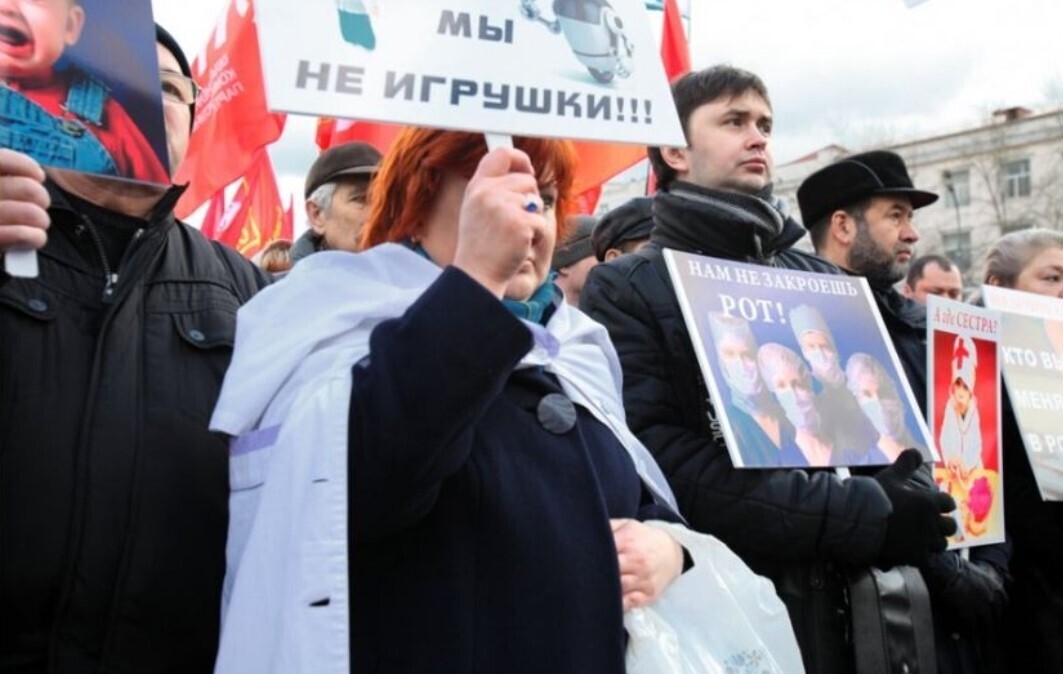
(721, 224)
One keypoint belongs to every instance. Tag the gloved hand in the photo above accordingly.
(917, 526)
(969, 591)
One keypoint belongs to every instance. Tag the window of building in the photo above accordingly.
(957, 188)
(1016, 178)
(957, 247)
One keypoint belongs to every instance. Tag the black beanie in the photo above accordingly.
(166, 40)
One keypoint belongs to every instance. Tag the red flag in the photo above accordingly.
(587, 200)
(675, 51)
(332, 131)
(601, 161)
(675, 54)
(288, 220)
(256, 216)
(232, 121)
(214, 215)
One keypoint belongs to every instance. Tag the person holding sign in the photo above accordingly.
(67, 119)
(453, 433)
(859, 211)
(798, 527)
(113, 492)
(1030, 261)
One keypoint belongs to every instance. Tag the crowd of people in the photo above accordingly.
(432, 436)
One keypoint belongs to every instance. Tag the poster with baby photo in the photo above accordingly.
(964, 403)
(798, 365)
(80, 87)
(1031, 357)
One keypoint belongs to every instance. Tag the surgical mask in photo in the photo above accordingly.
(800, 410)
(887, 416)
(742, 376)
(825, 365)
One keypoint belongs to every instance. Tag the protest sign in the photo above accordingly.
(589, 71)
(1031, 354)
(79, 87)
(964, 410)
(798, 365)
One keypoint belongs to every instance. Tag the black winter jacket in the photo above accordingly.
(796, 527)
(113, 494)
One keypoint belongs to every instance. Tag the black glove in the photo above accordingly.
(917, 526)
(969, 592)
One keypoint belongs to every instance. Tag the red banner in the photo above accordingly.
(232, 121)
(331, 132)
(255, 217)
(214, 216)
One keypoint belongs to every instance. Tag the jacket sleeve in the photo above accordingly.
(776, 513)
(415, 399)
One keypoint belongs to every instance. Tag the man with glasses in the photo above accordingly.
(113, 494)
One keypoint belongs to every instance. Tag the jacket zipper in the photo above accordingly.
(110, 278)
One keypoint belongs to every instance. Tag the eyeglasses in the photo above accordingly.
(178, 88)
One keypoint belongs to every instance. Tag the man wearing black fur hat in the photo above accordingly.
(113, 494)
(859, 212)
(799, 528)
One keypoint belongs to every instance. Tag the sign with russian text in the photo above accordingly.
(964, 408)
(79, 87)
(570, 68)
(799, 366)
(1031, 353)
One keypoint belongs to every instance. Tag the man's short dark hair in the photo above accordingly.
(918, 268)
(695, 89)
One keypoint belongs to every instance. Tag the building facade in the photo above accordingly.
(1000, 177)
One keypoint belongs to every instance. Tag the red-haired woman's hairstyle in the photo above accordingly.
(408, 182)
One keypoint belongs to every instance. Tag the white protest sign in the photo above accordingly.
(571, 68)
(1031, 355)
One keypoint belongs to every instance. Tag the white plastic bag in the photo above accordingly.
(717, 617)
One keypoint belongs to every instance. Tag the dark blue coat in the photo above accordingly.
(480, 541)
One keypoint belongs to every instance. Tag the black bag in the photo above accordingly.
(893, 629)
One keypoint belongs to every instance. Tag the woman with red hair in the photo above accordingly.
(432, 472)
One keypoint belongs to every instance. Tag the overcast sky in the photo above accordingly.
(855, 72)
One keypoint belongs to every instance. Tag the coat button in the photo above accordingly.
(556, 413)
(37, 305)
(196, 335)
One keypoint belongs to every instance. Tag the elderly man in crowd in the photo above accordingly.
(335, 190)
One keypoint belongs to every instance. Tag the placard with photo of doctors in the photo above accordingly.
(798, 364)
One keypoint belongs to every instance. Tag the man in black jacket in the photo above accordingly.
(800, 528)
(859, 212)
(113, 494)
